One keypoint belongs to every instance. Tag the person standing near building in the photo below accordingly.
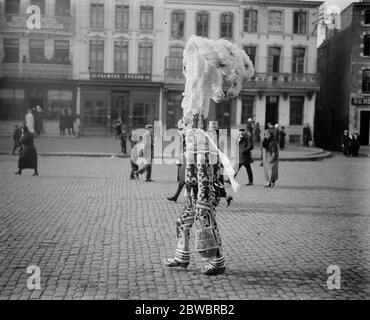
(69, 121)
(346, 143)
(270, 156)
(28, 155)
(245, 157)
(307, 135)
(355, 144)
(62, 121)
(282, 138)
(250, 125)
(40, 116)
(123, 141)
(277, 133)
(257, 134)
(30, 122)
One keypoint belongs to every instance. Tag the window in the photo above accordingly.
(273, 62)
(247, 108)
(275, 21)
(12, 106)
(37, 51)
(296, 111)
(97, 15)
(12, 6)
(11, 50)
(96, 56)
(56, 101)
(62, 8)
(366, 81)
(146, 18)
(121, 57)
(227, 25)
(178, 20)
(367, 16)
(202, 24)
(300, 23)
(298, 60)
(144, 113)
(174, 60)
(40, 3)
(367, 45)
(122, 16)
(145, 58)
(61, 51)
(250, 20)
(174, 111)
(251, 52)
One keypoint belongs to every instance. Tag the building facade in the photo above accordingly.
(126, 60)
(344, 62)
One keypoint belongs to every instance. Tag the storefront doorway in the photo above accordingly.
(272, 110)
(364, 127)
(223, 114)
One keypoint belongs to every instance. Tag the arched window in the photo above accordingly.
(367, 16)
(226, 25)
(178, 23)
(202, 21)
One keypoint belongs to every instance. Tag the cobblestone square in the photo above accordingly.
(95, 234)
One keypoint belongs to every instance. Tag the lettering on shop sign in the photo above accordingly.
(361, 101)
(120, 76)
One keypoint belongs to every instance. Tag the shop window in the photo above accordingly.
(97, 15)
(121, 57)
(61, 51)
(144, 113)
(145, 58)
(40, 3)
(366, 81)
(202, 23)
(178, 22)
(298, 60)
(367, 45)
(96, 56)
(251, 52)
(12, 104)
(12, 6)
(146, 18)
(174, 111)
(11, 50)
(56, 101)
(300, 23)
(62, 8)
(226, 25)
(248, 108)
(275, 21)
(250, 20)
(296, 111)
(295, 138)
(36, 48)
(122, 16)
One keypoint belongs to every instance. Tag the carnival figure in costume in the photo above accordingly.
(207, 66)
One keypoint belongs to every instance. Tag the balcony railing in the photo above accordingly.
(36, 71)
(48, 23)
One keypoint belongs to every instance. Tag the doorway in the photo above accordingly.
(272, 110)
(364, 127)
(223, 114)
(120, 108)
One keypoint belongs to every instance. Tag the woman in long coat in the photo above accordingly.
(270, 156)
(28, 155)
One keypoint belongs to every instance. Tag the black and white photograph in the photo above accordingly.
(203, 151)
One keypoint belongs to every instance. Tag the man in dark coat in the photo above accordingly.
(282, 138)
(346, 143)
(307, 135)
(245, 157)
(28, 156)
(355, 146)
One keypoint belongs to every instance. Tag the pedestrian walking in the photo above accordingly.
(307, 135)
(346, 143)
(181, 164)
(257, 134)
(355, 145)
(30, 121)
(245, 157)
(118, 128)
(28, 155)
(134, 155)
(282, 138)
(147, 153)
(17, 135)
(123, 141)
(270, 156)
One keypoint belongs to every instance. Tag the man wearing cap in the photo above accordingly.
(245, 157)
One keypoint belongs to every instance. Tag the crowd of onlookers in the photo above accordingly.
(351, 143)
